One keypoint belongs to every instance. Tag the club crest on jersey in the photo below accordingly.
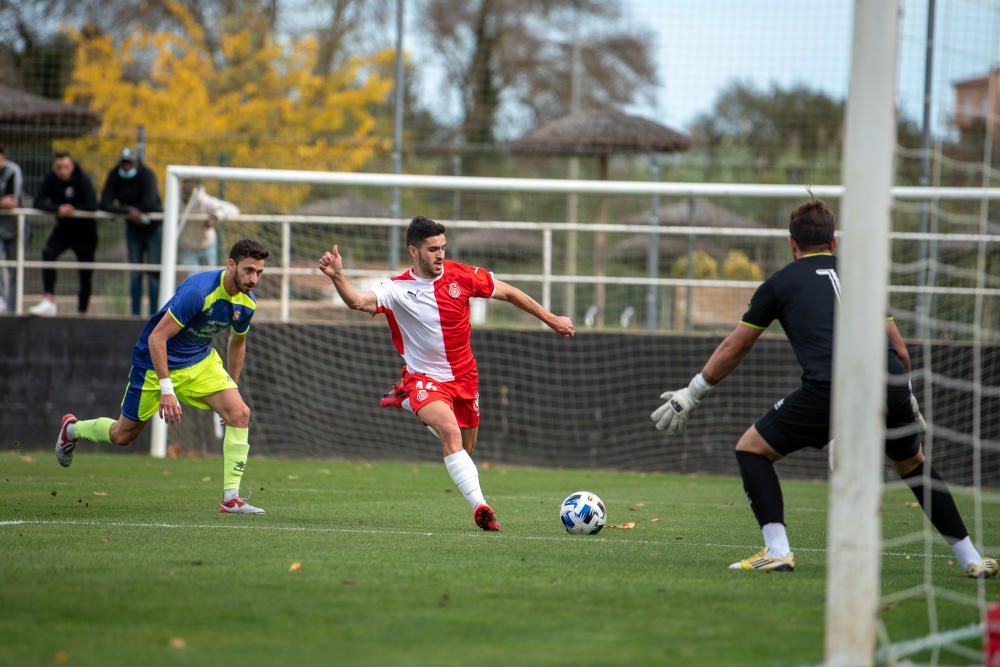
(422, 395)
(236, 314)
(475, 403)
(454, 291)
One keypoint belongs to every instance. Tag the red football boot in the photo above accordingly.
(485, 518)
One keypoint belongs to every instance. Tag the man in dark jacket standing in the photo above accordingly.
(131, 192)
(11, 190)
(66, 190)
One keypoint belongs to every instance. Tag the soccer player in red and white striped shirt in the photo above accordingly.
(427, 308)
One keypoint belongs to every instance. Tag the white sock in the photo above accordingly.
(776, 539)
(463, 472)
(965, 552)
(229, 494)
(406, 405)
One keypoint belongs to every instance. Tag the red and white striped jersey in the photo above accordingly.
(429, 319)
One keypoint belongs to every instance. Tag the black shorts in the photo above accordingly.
(802, 419)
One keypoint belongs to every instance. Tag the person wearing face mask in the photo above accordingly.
(130, 191)
(66, 190)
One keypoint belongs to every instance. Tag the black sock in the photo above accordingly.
(943, 514)
(762, 487)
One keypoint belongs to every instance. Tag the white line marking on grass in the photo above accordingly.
(416, 533)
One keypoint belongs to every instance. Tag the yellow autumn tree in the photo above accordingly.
(740, 267)
(262, 107)
(705, 266)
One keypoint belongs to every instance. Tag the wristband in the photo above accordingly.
(166, 387)
(699, 387)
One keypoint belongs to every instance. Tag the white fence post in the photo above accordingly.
(168, 283)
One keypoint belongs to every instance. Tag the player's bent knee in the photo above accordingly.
(753, 442)
(239, 417)
(904, 468)
(451, 438)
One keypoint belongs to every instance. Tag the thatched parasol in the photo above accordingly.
(494, 244)
(602, 133)
(24, 112)
(704, 214)
(350, 205)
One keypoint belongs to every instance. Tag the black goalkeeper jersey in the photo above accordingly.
(802, 296)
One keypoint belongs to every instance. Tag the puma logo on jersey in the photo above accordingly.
(413, 294)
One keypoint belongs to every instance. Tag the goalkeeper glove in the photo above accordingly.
(672, 416)
(915, 406)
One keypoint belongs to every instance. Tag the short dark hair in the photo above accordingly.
(811, 225)
(248, 248)
(421, 228)
(58, 155)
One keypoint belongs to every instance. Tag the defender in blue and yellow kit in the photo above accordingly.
(174, 362)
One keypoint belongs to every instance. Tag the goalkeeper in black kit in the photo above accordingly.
(802, 297)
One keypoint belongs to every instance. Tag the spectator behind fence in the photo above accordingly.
(198, 242)
(11, 191)
(131, 192)
(66, 190)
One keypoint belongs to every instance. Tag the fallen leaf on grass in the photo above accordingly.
(324, 471)
(178, 643)
(25, 458)
(912, 503)
(61, 656)
(293, 477)
(167, 473)
(655, 519)
(628, 525)
(100, 493)
(206, 478)
(295, 567)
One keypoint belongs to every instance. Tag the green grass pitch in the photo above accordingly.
(123, 560)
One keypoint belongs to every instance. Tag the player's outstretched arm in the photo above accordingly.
(672, 416)
(166, 328)
(332, 266)
(560, 324)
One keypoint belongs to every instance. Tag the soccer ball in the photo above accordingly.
(583, 513)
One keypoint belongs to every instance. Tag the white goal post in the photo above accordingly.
(854, 523)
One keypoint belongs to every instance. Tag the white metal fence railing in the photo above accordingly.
(546, 278)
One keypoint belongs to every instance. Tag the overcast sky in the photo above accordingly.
(704, 44)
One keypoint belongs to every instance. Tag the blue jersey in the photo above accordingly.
(202, 308)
